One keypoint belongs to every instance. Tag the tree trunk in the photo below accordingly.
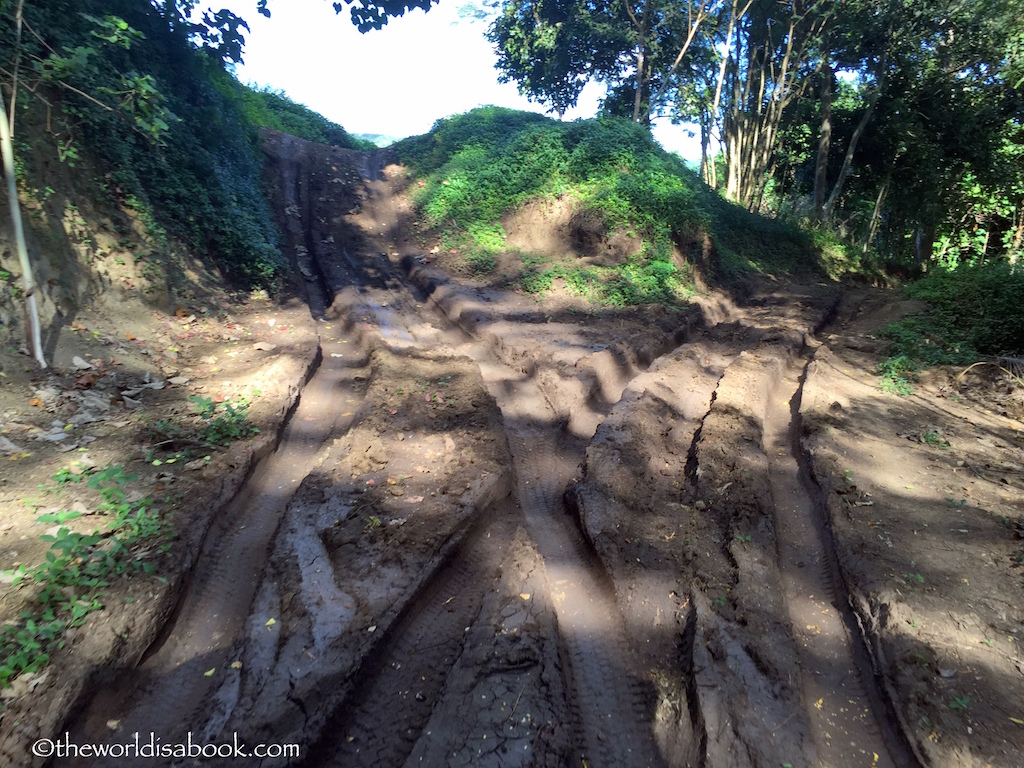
(641, 59)
(7, 148)
(876, 214)
(705, 172)
(1018, 236)
(824, 140)
(844, 170)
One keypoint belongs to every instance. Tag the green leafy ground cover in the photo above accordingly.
(974, 312)
(173, 134)
(478, 166)
(70, 582)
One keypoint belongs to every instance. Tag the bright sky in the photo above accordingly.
(396, 81)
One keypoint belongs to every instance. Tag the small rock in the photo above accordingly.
(80, 364)
(264, 346)
(8, 447)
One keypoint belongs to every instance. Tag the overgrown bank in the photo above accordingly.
(136, 107)
(973, 313)
(477, 167)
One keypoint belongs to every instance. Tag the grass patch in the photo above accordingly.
(636, 281)
(479, 166)
(973, 312)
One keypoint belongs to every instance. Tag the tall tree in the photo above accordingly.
(771, 65)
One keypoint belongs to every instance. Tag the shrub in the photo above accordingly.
(478, 166)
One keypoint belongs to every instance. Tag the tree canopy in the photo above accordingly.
(818, 108)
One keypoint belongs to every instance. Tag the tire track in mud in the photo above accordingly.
(398, 684)
(847, 712)
(612, 721)
(843, 721)
(608, 700)
(877, 719)
(170, 683)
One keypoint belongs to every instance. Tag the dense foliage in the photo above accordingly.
(898, 125)
(480, 165)
(144, 93)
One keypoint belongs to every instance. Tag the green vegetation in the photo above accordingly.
(898, 371)
(229, 424)
(214, 424)
(145, 98)
(812, 105)
(974, 311)
(479, 166)
(77, 568)
(267, 108)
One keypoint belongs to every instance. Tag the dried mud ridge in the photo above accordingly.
(495, 537)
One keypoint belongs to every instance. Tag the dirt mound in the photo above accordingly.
(561, 227)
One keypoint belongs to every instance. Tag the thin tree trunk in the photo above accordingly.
(641, 60)
(824, 140)
(17, 63)
(704, 164)
(7, 148)
(876, 214)
(1018, 236)
(844, 170)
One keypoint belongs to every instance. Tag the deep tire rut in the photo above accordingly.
(220, 592)
(608, 698)
(843, 716)
(398, 685)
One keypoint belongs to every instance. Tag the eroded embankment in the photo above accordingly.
(924, 496)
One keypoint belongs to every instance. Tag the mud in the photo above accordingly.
(506, 533)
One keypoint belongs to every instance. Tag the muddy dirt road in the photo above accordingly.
(500, 533)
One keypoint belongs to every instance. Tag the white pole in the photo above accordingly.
(19, 234)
